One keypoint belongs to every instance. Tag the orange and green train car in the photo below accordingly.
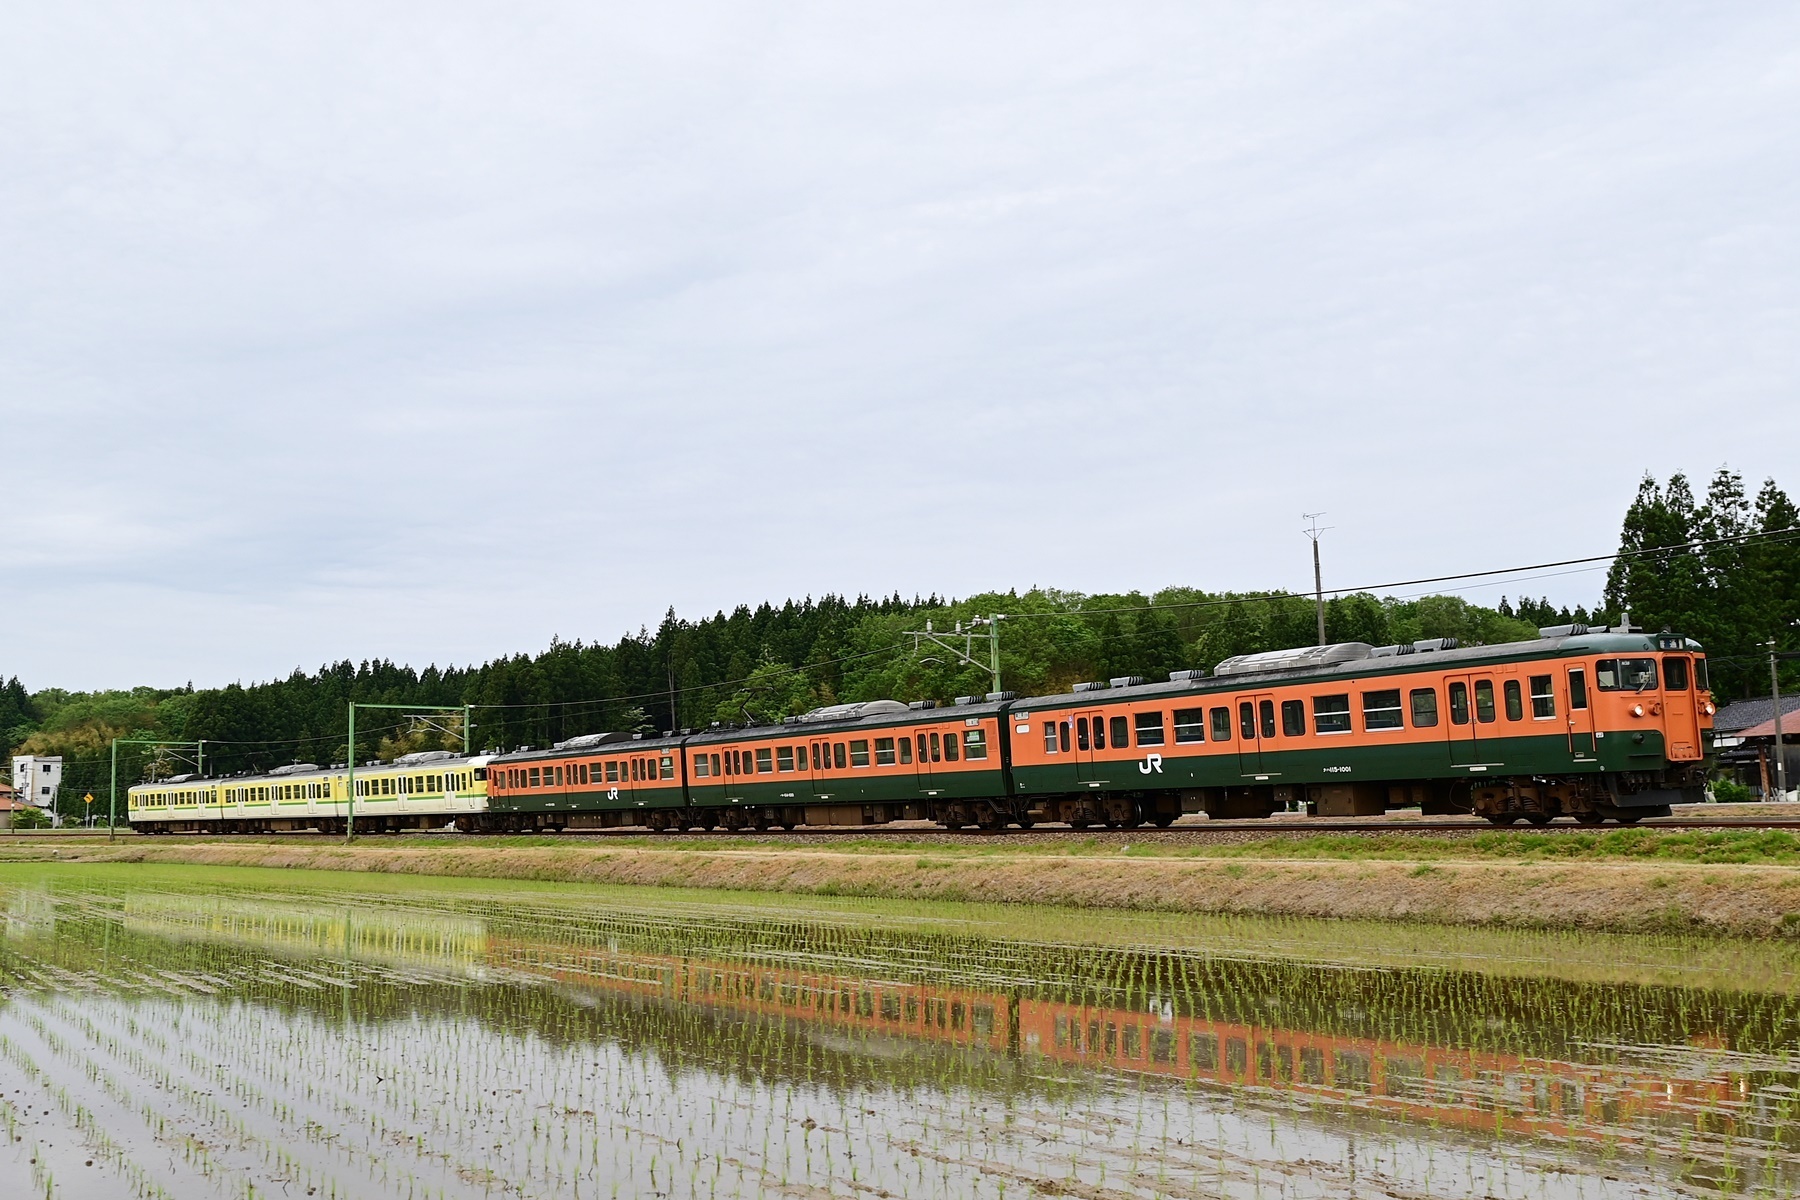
(1587, 723)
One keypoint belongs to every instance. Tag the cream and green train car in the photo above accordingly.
(428, 790)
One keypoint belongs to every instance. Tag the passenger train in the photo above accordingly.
(1588, 723)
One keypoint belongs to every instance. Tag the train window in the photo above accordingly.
(1459, 703)
(950, 746)
(1424, 708)
(784, 758)
(536, 779)
(1331, 714)
(1700, 680)
(1099, 733)
(1150, 729)
(668, 766)
(1625, 674)
(1221, 724)
(1293, 718)
(582, 770)
(612, 768)
(1049, 737)
(837, 755)
(936, 752)
(974, 743)
(1247, 720)
(765, 762)
(1081, 734)
(1577, 688)
(1515, 700)
(1381, 710)
(1190, 725)
(884, 752)
(638, 774)
(906, 752)
(1543, 697)
(1675, 674)
(1484, 701)
(1266, 709)
(1121, 732)
(559, 779)
(859, 752)
(1062, 736)
(923, 756)
(715, 764)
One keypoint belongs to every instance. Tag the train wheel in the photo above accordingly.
(1163, 820)
(1590, 817)
(1503, 818)
(988, 817)
(1025, 820)
(1629, 818)
(1538, 818)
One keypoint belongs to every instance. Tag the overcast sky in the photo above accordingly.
(430, 331)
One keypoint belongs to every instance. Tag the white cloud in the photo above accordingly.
(430, 331)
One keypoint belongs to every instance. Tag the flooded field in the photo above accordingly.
(187, 1032)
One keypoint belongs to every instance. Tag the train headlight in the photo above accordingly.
(1637, 710)
(1708, 709)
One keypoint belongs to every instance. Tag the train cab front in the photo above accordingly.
(1661, 709)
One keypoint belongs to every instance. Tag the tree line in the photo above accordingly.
(760, 664)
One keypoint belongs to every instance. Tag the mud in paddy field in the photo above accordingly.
(207, 1031)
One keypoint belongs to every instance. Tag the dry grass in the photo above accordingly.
(1751, 900)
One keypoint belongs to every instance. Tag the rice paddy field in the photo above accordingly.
(185, 1032)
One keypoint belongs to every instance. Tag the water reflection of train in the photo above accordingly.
(1451, 1086)
(1532, 1087)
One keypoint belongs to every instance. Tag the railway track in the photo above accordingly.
(1198, 829)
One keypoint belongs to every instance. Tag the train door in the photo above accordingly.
(1090, 736)
(1473, 710)
(1681, 718)
(1581, 717)
(1256, 734)
(922, 772)
(818, 753)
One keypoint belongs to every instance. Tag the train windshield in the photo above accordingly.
(1700, 681)
(1625, 674)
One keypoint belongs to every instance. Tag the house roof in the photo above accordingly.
(1739, 716)
(1790, 729)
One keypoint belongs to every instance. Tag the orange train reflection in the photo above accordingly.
(1444, 1085)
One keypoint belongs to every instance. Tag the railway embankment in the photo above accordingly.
(1738, 883)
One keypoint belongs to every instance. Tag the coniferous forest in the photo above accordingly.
(1734, 591)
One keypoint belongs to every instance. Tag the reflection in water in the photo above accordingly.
(209, 1043)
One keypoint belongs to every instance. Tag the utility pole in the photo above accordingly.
(1775, 692)
(968, 634)
(112, 817)
(350, 748)
(1313, 531)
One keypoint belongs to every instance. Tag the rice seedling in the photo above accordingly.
(197, 1033)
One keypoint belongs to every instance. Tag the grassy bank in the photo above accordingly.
(1616, 886)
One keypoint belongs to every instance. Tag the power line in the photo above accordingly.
(1773, 536)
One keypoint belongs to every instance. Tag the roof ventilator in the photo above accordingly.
(1127, 681)
(997, 697)
(1301, 658)
(1429, 644)
(1192, 676)
(919, 704)
(1089, 687)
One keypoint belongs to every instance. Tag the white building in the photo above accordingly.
(37, 779)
